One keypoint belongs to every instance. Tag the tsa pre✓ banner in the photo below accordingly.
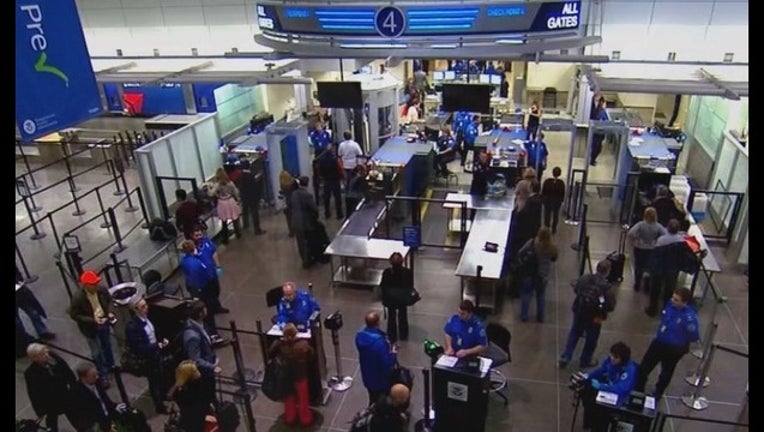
(55, 84)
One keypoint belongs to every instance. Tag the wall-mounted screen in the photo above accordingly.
(450, 75)
(343, 94)
(496, 79)
(467, 97)
(485, 79)
(438, 76)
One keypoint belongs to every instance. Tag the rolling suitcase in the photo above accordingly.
(318, 240)
(617, 260)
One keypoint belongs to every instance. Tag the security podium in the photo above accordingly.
(460, 394)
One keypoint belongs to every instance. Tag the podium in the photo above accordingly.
(460, 395)
(637, 415)
(168, 315)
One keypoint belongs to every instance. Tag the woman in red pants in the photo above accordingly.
(296, 353)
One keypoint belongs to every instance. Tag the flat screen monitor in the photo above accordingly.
(438, 76)
(450, 75)
(467, 97)
(342, 94)
(496, 79)
(485, 79)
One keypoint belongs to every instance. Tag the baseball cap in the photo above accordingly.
(89, 277)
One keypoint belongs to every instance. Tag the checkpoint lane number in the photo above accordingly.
(390, 22)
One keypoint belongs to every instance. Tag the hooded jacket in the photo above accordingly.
(375, 358)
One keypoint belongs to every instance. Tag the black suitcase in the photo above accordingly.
(617, 260)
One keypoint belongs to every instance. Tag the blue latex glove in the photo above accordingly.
(596, 384)
(219, 271)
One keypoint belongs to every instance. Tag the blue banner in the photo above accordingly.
(55, 84)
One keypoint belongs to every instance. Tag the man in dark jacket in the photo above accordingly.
(664, 266)
(142, 340)
(376, 357)
(90, 403)
(91, 309)
(187, 214)
(27, 302)
(304, 217)
(552, 195)
(198, 347)
(332, 173)
(391, 412)
(589, 309)
(251, 190)
(49, 381)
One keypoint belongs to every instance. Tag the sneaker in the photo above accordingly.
(216, 340)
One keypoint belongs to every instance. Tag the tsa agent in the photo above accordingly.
(617, 374)
(319, 139)
(199, 280)
(296, 307)
(465, 333)
(446, 152)
(471, 132)
(537, 155)
(678, 329)
(208, 253)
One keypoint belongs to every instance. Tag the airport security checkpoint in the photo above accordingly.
(381, 217)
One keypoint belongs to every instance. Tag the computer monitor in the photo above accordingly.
(438, 76)
(450, 75)
(496, 79)
(485, 79)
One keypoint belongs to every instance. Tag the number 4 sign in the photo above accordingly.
(390, 22)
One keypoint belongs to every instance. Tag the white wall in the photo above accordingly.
(543, 75)
(279, 98)
(697, 30)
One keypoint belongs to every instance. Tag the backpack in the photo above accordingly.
(361, 422)
(228, 416)
(594, 298)
(161, 230)
(527, 262)
(277, 380)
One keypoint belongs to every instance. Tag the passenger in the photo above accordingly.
(464, 332)
(287, 185)
(187, 214)
(188, 393)
(376, 356)
(296, 353)
(397, 283)
(617, 374)
(534, 272)
(643, 237)
(391, 412)
(296, 307)
(228, 197)
(304, 219)
(553, 194)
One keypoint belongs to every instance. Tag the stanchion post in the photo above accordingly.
(23, 189)
(55, 231)
(693, 378)
(145, 223)
(109, 168)
(34, 206)
(115, 227)
(64, 278)
(34, 185)
(73, 190)
(130, 207)
(29, 277)
(106, 223)
(117, 271)
(68, 165)
(694, 400)
(117, 190)
(709, 336)
(242, 374)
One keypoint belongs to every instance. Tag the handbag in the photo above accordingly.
(402, 375)
(277, 381)
(133, 363)
(414, 297)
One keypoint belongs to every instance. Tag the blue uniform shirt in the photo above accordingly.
(465, 334)
(446, 142)
(602, 115)
(537, 152)
(206, 249)
(618, 379)
(196, 272)
(297, 311)
(470, 133)
(461, 118)
(678, 327)
(319, 139)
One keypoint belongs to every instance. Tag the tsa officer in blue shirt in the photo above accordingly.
(617, 374)
(199, 280)
(678, 329)
(470, 133)
(295, 307)
(465, 333)
(319, 139)
(446, 151)
(537, 155)
(208, 252)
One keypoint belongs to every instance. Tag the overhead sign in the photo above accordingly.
(55, 84)
(447, 18)
(412, 236)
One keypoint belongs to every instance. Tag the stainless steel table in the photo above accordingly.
(348, 247)
(474, 202)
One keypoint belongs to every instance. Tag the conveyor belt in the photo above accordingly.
(362, 220)
(435, 221)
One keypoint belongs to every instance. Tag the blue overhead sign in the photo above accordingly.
(446, 18)
(412, 236)
(55, 84)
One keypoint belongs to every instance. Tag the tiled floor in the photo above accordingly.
(539, 399)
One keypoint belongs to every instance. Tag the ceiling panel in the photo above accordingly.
(183, 16)
(626, 12)
(185, 3)
(682, 13)
(98, 4)
(138, 4)
(103, 18)
(225, 15)
(148, 17)
(730, 13)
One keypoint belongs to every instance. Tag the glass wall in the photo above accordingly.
(236, 105)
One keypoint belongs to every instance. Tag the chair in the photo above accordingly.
(272, 298)
(499, 338)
